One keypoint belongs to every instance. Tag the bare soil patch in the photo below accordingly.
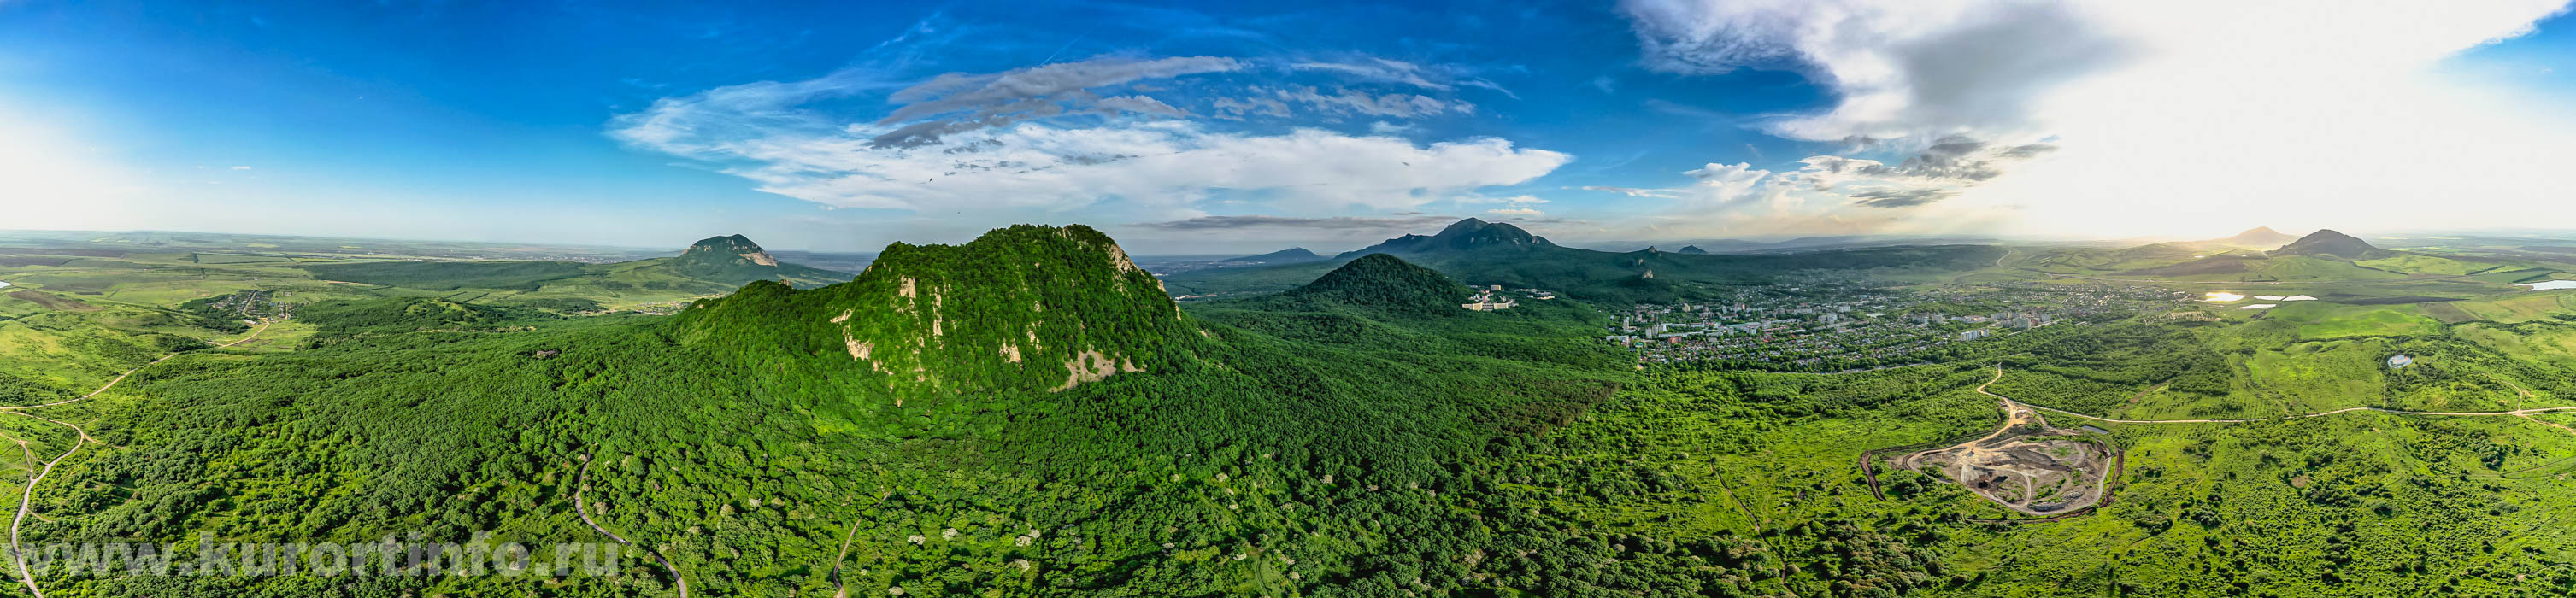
(51, 301)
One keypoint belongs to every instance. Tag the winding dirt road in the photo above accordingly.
(27, 498)
(582, 486)
(2019, 415)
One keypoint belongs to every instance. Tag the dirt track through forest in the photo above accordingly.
(27, 498)
(581, 486)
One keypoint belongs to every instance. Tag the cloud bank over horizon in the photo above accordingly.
(2123, 118)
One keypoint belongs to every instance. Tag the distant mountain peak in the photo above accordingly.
(1462, 236)
(2333, 244)
(734, 260)
(1283, 256)
(738, 246)
(1470, 221)
(1692, 250)
(725, 242)
(2261, 236)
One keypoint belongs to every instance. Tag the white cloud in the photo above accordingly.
(1724, 183)
(1635, 191)
(1522, 212)
(241, 168)
(1516, 200)
(980, 146)
(2165, 117)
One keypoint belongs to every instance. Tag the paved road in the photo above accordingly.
(2245, 282)
(27, 499)
(2514, 413)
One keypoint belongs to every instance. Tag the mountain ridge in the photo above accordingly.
(1284, 256)
(1462, 236)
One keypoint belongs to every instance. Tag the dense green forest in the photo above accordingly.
(1031, 414)
(748, 462)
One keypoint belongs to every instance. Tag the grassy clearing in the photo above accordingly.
(2315, 320)
(2316, 377)
(2522, 308)
(2425, 265)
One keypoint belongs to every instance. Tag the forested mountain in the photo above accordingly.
(1381, 281)
(1025, 307)
(2329, 243)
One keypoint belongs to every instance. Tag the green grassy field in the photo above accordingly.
(2319, 320)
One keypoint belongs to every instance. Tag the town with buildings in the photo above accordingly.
(1494, 297)
(1833, 325)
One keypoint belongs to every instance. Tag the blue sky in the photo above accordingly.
(1197, 128)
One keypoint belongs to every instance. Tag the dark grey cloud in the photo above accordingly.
(1275, 102)
(1440, 77)
(1900, 198)
(1235, 108)
(1955, 158)
(2026, 151)
(1338, 223)
(1900, 73)
(1949, 161)
(955, 103)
